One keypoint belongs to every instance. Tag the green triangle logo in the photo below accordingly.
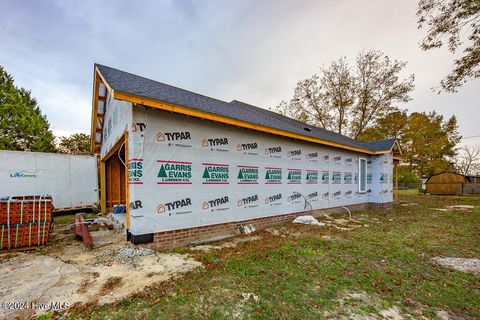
(289, 176)
(267, 176)
(240, 174)
(162, 173)
(206, 175)
(382, 178)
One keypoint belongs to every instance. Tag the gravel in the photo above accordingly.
(129, 255)
(461, 264)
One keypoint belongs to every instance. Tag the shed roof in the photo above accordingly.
(126, 86)
(450, 173)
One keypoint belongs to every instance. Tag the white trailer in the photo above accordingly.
(71, 180)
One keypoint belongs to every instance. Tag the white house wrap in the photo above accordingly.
(187, 172)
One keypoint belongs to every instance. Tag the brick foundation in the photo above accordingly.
(183, 237)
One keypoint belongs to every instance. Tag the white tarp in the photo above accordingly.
(71, 180)
(118, 116)
(187, 172)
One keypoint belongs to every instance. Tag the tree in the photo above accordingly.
(451, 21)
(392, 125)
(427, 141)
(22, 125)
(78, 143)
(467, 160)
(347, 99)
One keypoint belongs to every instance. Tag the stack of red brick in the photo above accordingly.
(25, 221)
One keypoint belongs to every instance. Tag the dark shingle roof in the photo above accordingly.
(125, 82)
(381, 145)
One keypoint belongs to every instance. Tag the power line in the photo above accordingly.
(476, 136)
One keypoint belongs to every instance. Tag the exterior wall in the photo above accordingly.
(380, 178)
(173, 158)
(118, 117)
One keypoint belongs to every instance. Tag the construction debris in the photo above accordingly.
(80, 230)
(129, 255)
(247, 229)
(247, 296)
(308, 220)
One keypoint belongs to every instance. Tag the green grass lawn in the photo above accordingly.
(327, 273)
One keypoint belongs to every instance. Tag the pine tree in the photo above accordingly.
(22, 125)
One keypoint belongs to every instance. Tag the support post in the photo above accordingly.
(127, 185)
(396, 181)
(103, 188)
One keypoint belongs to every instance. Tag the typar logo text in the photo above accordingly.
(247, 175)
(274, 200)
(135, 171)
(274, 152)
(22, 174)
(217, 144)
(312, 157)
(295, 197)
(218, 204)
(174, 172)
(137, 204)
(248, 202)
(295, 154)
(249, 148)
(138, 126)
(313, 196)
(214, 173)
(181, 206)
(173, 137)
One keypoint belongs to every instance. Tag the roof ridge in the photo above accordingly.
(296, 121)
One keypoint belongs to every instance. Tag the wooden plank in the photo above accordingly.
(103, 188)
(127, 185)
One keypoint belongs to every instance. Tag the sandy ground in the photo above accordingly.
(232, 243)
(69, 273)
(469, 265)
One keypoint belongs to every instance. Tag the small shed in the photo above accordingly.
(446, 183)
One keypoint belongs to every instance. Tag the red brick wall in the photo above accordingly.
(183, 237)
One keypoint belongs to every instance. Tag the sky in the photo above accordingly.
(252, 51)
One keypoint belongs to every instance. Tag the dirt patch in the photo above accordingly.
(110, 285)
(469, 265)
(226, 244)
(409, 204)
(285, 232)
(458, 207)
(68, 272)
(461, 207)
(363, 306)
